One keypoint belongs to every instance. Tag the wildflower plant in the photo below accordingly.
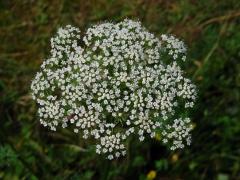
(115, 81)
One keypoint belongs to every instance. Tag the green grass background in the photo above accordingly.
(210, 28)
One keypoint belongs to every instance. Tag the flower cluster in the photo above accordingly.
(116, 81)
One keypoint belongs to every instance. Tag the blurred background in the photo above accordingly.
(211, 30)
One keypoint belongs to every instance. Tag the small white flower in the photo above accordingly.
(115, 85)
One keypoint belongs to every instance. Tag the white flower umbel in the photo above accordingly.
(116, 81)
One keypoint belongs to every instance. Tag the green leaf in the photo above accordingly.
(138, 161)
(222, 177)
(161, 164)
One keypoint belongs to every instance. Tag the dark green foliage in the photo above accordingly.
(210, 28)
